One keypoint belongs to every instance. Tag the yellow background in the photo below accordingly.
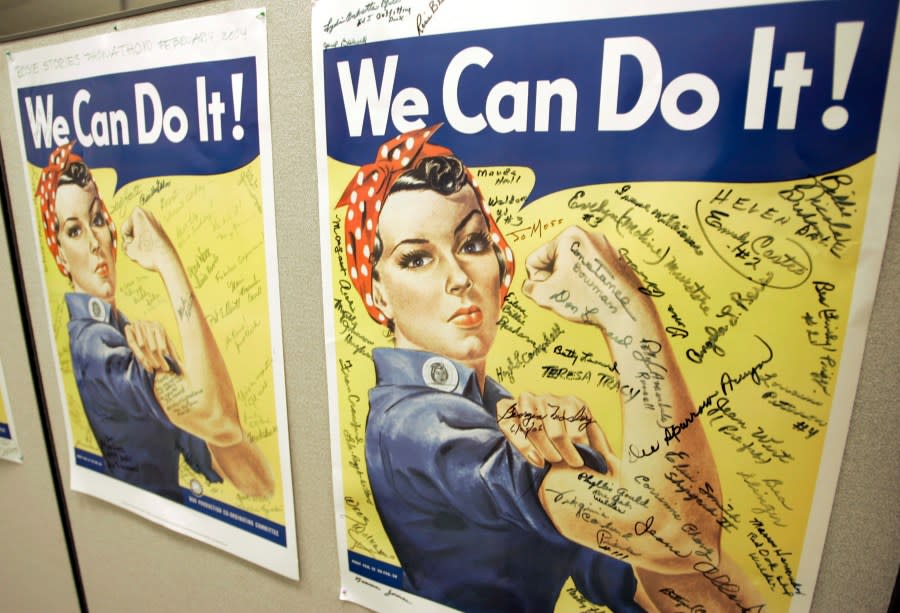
(787, 314)
(3, 418)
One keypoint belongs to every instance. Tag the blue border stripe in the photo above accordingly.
(89, 460)
(234, 516)
(388, 574)
(4, 431)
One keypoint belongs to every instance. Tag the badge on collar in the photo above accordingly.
(440, 374)
(96, 309)
(196, 487)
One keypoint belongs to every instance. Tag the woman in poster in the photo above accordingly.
(491, 502)
(146, 407)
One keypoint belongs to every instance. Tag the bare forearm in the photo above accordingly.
(682, 471)
(245, 466)
(208, 403)
(199, 398)
(661, 505)
(659, 508)
(705, 587)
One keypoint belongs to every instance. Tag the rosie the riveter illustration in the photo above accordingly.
(490, 501)
(146, 406)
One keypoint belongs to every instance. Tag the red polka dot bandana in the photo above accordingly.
(61, 158)
(365, 197)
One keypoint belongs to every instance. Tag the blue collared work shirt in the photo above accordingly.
(460, 504)
(138, 442)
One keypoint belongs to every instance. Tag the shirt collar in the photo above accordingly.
(423, 368)
(85, 306)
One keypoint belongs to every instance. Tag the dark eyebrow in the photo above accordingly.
(414, 241)
(462, 224)
(91, 211)
(421, 241)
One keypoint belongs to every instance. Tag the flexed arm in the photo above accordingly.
(581, 277)
(659, 509)
(199, 398)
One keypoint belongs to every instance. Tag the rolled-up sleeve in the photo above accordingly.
(603, 579)
(107, 372)
(441, 450)
(197, 455)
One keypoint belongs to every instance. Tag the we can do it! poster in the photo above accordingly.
(150, 174)
(597, 283)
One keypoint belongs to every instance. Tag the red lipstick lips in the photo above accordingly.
(467, 317)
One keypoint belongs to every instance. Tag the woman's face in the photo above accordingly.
(439, 279)
(85, 241)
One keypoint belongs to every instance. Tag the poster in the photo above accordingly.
(9, 446)
(597, 279)
(149, 163)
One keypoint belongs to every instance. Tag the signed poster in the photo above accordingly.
(149, 163)
(9, 447)
(597, 279)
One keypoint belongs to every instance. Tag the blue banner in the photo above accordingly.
(208, 506)
(388, 574)
(761, 93)
(188, 119)
(236, 517)
(89, 460)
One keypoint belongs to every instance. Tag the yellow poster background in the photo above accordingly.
(753, 282)
(3, 418)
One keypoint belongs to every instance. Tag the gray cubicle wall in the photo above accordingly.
(35, 572)
(128, 564)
